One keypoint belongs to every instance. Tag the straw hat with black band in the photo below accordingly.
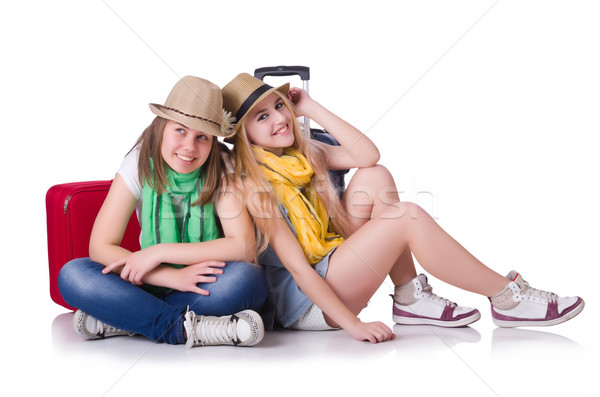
(198, 104)
(242, 93)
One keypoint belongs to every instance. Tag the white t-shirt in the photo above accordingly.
(129, 172)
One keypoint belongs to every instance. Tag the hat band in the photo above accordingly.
(250, 100)
(190, 115)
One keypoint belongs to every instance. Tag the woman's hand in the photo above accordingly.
(373, 332)
(301, 100)
(186, 279)
(355, 149)
(135, 266)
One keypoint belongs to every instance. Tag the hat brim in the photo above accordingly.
(206, 126)
(283, 89)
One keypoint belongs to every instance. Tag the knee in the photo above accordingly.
(73, 277)
(243, 278)
(250, 275)
(69, 272)
(376, 172)
(373, 184)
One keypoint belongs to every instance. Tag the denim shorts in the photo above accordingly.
(287, 300)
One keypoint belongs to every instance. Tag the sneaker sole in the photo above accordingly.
(438, 323)
(540, 323)
(78, 325)
(79, 318)
(258, 328)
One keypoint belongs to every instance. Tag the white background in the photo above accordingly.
(485, 112)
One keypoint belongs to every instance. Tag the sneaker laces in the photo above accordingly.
(214, 330)
(101, 328)
(539, 294)
(104, 328)
(428, 290)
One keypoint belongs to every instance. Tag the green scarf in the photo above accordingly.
(171, 218)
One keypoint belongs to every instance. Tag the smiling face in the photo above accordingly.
(184, 149)
(269, 125)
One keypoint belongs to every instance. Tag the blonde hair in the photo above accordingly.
(152, 172)
(261, 199)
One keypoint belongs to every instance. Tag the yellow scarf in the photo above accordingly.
(290, 177)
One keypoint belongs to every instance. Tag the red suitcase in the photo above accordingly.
(71, 209)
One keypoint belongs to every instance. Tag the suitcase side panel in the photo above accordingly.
(81, 212)
(55, 223)
(71, 210)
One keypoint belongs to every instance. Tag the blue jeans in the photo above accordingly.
(121, 304)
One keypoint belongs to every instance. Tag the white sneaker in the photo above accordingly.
(520, 305)
(89, 327)
(244, 328)
(428, 308)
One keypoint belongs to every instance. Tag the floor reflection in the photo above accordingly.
(300, 345)
(514, 338)
(426, 335)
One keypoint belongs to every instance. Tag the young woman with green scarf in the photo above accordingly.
(326, 257)
(194, 280)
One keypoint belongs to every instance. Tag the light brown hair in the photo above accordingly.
(261, 200)
(152, 172)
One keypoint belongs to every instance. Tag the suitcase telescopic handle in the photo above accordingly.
(302, 71)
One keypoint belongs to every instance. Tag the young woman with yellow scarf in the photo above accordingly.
(326, 257)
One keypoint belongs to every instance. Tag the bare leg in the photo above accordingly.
(371, 192)
(379, 246)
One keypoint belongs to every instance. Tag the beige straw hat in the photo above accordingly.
(242, 93)
(195, 103)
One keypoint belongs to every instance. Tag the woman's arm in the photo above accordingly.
(316, 288)
(111, 222)
(108, 230)
(185, 279)
(238, 244)
(355, 150)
